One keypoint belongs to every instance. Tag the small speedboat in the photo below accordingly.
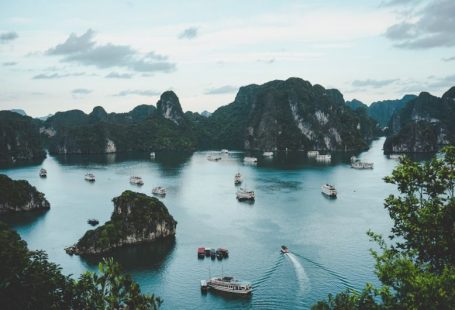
(238, 179)
(159, 191)
(284, 249)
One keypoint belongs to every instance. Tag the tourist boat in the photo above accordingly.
(267, 154)
(207, 251)
(160, 191)
(90, 177)
(136, 180)
(213, 157)
(43, 173)
(329, 190)
(93, 222)
(324, 158)
(250, 160)
(200, 252)
(284, 249)
(312, 153)
(230, 285)
(358, 164)
(243, 194)
(238, 179)
(224, 151)
(152, 155)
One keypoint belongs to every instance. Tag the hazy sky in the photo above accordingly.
(61, 55)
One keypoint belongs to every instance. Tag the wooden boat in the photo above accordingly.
(201, 252)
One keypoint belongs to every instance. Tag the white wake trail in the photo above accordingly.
(304, 281)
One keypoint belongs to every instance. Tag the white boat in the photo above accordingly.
(136, 180)
(358, 164)
(213, 157)
(396, 156)
(224, 151)
(152, 155)
(160, 191)
(238, 179)
(250, 160)
(329, 190)
(89, 177)
(43, 173)
(230, 285)
(267, 154)
(243, 194)
(312, 153)
(324, 158)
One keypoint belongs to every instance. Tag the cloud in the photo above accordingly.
(9, 63)
(397, 2)
(443, 82)
(432, 26)
(137, 92)
(373, 83)
(449, 59)
(6, 37)
(116, 75)
(81, 91)
(226, 89)
(85, 51)
(189, 33)
(49, 76)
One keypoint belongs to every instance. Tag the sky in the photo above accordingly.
(62, 55)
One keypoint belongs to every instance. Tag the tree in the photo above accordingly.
(417, 266)
(29, 281)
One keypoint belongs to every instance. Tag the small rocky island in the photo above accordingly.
(18, 196)
(137, 218)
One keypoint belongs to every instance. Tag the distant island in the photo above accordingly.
(19, 196)
(287, 114)
(137, 218)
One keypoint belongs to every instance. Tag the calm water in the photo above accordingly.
(327, 238)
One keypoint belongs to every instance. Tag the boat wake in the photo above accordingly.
(268, 273)
(304, 281)
(339, 277)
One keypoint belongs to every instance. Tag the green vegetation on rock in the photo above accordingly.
(136, 218)
(20, 196)
(19, 138)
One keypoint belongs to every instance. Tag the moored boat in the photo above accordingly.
(212, 253)
(284, 249)
(358, 164)
(43, 173)
(230, 285)
(224, 151)
(136, 180)
(207, 251)
(250, 160)
(312, 153)
(267, 154)
(238, 178)
(159, 191)
(324, 158)
(243, 194)
(89, 177)
(152, 155)
(213, 158)
(93, 222)
(396, 156)
(329, 190)
(201, 252)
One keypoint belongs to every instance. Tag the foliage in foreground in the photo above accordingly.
(29, 281)
(417, 267)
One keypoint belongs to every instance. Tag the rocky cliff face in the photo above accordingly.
(423, 125)
(169, 107)
(382, 111)
(137, 218)
(19, 138)
(291, 114)
(18, 196)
